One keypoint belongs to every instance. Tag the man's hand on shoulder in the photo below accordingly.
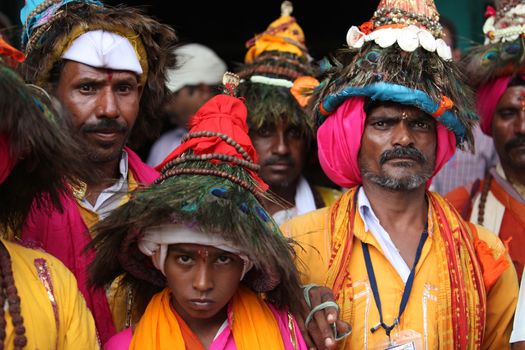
(319, 321)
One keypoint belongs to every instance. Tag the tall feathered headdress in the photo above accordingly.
(503, 51)
(278, 77)
(51, 26)
(208, 183)
(400, 56)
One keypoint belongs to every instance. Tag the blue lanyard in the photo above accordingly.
(406, 291)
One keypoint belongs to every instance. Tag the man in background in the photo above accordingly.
(277, 81)
(193, 82)
(464, 167)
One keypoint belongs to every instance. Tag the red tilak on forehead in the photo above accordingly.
(110, 75)
(203, 253)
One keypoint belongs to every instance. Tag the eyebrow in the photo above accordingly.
(102, 80)
(422, 116)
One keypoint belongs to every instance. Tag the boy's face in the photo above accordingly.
(202, 280)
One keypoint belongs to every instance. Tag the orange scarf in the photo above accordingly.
(254, 326)
(462, 294)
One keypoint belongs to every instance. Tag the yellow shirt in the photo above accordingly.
(420, 315)
(54, 311)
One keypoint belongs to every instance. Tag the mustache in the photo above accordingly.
(405, 152)
(279, 159)
(515, 142)
(105, 125)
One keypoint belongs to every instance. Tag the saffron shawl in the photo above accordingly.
(65, 235)
(254, 326)
(462, 297)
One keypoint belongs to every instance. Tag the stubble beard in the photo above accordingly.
(407, 183)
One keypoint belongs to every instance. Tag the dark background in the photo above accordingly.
(226, 25)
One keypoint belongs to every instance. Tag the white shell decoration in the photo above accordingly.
(355, 38)
(387, 38)
(489, 25)
(408, 38)
(443, 49)
(508, 27)
(427, 41)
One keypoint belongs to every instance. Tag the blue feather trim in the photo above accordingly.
(30, 24)
(399, 94)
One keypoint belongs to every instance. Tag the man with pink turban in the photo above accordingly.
(496, 71)
(405, 269)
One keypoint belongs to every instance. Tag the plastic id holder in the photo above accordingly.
(403, 340)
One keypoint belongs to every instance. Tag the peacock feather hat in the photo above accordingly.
(400, 56)
(51, 26)
(209, 183)
(278, 75)
(38, 158)
(503, 50)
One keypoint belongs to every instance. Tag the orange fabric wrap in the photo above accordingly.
(160, 329)
(254, 326)
(492, 268)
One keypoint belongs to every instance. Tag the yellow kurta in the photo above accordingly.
(311, 232)
(55, 313)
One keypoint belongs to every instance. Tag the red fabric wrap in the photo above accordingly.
(226, 115)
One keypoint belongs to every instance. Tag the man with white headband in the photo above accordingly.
(107, 66)
(198, 248)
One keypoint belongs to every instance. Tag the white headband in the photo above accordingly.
(156, 240)
(101, 49)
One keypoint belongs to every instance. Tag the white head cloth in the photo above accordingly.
(196, 64)
(156, 240)
(102, 49)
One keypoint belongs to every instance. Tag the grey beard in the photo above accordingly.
(404, 184)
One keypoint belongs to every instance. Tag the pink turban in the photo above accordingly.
(339, 141)
(6, 161)
(487, 99)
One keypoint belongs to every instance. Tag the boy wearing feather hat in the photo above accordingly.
(406, 270)
(209, 267)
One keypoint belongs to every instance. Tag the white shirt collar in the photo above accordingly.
(110, 197)
(304, 203)
(373, 225)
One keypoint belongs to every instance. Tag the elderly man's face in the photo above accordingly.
(282, 151)
(398, 147)
(508, 128)
(103, 104)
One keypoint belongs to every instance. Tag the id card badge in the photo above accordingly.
(406, 339)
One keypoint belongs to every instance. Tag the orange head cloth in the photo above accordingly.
(283, 34)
